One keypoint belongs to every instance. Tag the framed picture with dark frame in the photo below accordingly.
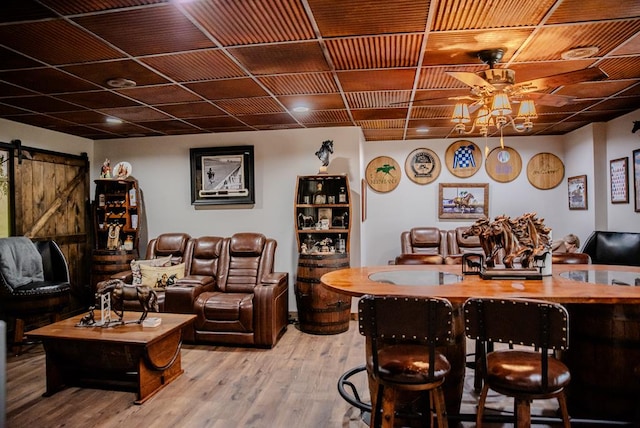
(463, 200)
(222, 175)
(636, 179)
(577, 187)
(619, 179)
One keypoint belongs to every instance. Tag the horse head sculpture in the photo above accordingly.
(324, 151)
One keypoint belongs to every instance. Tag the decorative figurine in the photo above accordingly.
(505, 240)
(105, 171)
(119, 292)
(323, 154)
(89, 319)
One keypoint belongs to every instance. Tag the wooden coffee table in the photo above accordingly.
(131, 357)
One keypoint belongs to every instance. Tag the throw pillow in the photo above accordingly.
(135, 267)
(160, 277)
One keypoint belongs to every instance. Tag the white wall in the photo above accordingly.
(411, 204)
(620, 144)
(162, 167)
(41, 138)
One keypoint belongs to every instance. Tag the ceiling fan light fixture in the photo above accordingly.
(501, 105)
(461, 114)
(527, 110)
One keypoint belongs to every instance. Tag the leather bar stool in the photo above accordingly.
(402, 335)
(525, 374)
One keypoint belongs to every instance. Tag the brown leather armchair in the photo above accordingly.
(422, 245)
(167, 244)
(249, 303)
(459, 245)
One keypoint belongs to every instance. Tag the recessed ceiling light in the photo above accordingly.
(113, 120)
(300, 109)
(422, 130)
(580, 53)
(121, 82)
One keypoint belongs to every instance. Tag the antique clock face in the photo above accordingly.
(422, 166)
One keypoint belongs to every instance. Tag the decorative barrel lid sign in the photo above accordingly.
(383, 174)
(545, 171)
(503, 164)
(422, 166)
(463, 158)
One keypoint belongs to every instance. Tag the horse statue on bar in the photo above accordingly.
(119, 292)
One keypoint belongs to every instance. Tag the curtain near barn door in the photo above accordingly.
(51, 196)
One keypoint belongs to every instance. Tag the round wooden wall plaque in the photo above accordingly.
(383, 174)
(422, 166)
(503, 165)
(545, 171)
(463, 158)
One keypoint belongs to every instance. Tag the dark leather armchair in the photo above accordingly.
(613, 248)
(249, 303)
(34, 296)
(422, 245)
(167, 244)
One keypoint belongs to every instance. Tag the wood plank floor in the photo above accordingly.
(293, 384)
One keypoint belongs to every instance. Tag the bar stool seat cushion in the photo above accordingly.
(409, 364)
(519, 371)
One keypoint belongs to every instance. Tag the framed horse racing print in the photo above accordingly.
(222, 176)
(463, 200)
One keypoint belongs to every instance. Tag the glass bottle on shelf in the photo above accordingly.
(319, 196)
(342, 196)
(340, 244)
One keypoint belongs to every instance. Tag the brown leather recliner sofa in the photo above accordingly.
(172, 245)
(232, 288)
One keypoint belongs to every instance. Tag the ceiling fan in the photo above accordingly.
(493, 90)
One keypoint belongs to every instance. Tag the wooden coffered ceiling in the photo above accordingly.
(205, 66)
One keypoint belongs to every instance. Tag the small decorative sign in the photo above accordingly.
(383, 174)
(545, 171)
(422, 166)
(463, 158)
(577, 192)
(619, 177)
(503, 164)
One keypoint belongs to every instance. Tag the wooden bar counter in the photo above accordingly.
(603, 303)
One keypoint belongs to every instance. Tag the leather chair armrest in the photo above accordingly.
(274, 278)
(179, 298)
(271, 303)
(125, 276)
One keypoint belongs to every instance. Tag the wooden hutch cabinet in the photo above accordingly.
(322, 213)
(117, 223)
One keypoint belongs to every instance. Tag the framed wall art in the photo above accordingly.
(636, 179)
(619, 179)
(577, 187)
(463, 201)
(222, 175)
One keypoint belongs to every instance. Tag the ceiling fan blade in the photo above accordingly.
(471, 79)
(435, 101)
(586, 75)
(552, 100)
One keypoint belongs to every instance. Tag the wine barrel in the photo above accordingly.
(105, 263)
(320, 310)
(603, 357)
